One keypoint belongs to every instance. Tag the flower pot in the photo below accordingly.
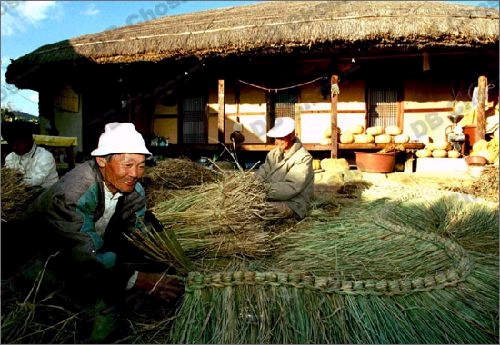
(375, 161)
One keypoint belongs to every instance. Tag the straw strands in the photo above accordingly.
(309, 25)
(174, 174)
(15, 194)
(397, 271)
(219, 219)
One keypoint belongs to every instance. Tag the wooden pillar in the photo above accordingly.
(221, 136)
(481, 103)
(334, 96)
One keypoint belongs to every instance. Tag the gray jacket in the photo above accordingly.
(290, 179)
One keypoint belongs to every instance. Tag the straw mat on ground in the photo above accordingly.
(404, 269)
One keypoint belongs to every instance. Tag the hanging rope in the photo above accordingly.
(281, 88)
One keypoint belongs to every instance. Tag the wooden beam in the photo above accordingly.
(222, 111)
(481, 103)
(335, 131)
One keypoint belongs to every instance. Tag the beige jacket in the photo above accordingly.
(291, 178)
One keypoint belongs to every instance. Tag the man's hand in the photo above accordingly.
(167, 288)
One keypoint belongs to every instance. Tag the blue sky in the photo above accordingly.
(27, 25)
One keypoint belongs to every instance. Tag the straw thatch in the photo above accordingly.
(278, 26)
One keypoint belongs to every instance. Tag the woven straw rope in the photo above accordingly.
(461, 266)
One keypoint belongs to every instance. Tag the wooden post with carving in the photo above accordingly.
(334, 96)
(221, 115)
(481, 103)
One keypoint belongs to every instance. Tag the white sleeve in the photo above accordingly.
(42, 166)
(12, 162)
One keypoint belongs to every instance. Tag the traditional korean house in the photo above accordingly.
(188, 81)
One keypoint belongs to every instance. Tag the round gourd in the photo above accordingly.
(401, 139)
(454, 154)
(383, 139)
(375, 130)
(327, 133)
(423, 153)
(356, 129)
(393, 130)
(442, 145)
(480, 145)
(364, 138)
(430, 146)
(347, 138)
(439, 153)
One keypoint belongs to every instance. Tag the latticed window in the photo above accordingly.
(284, 105)
(382, 107)
(193, 115)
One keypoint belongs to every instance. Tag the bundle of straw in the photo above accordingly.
(173, 174)
(362, 277)
(218, 220)
(16, 195)
(486, 186)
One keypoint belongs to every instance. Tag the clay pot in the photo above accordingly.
(375, 161)
(476, 160)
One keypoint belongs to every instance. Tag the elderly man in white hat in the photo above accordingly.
(85, 216)
(288, 171)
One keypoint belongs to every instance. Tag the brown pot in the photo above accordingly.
(476, 160)
(375, 161)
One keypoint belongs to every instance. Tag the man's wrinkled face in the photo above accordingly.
(284, 143)
(122, 171)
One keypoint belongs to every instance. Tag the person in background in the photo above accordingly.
(85, 216)
(37, 164)
(288, 171)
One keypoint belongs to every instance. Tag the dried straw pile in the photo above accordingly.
(221, 219)
(173, 174)
(486, 185)
(16, 196)
(421, 267)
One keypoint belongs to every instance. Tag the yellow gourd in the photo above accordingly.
(430, 146)
(393, 130)
(454, 154)
(439, 153)
(383, 139)
(364, 138)
(356, 129)
(375, 130)
(423, 153)
(401, 139)
(442, 145)
(347, 138)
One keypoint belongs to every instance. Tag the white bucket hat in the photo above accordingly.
(282, 127)
(120, 138)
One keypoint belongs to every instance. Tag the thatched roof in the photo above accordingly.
(278, 26)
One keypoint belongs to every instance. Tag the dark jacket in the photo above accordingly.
(66, 214)
(290, 179)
